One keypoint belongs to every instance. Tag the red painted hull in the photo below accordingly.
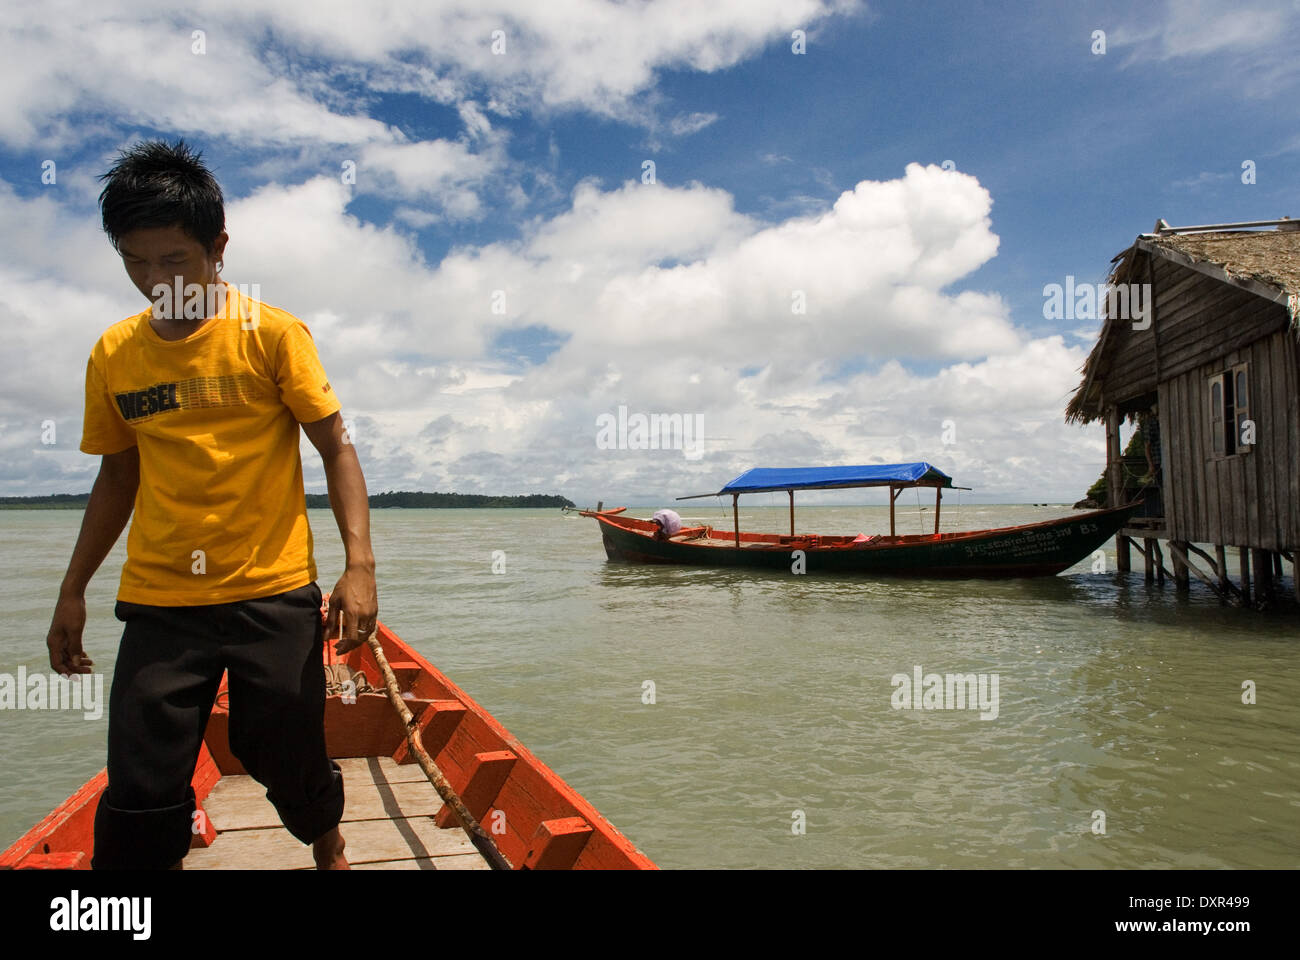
(548, 824)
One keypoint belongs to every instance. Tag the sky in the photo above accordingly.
(812, 232)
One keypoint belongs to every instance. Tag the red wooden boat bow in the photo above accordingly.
(535, 819)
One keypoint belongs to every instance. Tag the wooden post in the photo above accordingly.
(1182, 580)
(735, 515)
(1295, 574)
(791, 492)
(892, 495)
(1243, 557)
(1263, 564)
(1114, 460)
(1160, 562)
(1277, 567)
(1114, 484)
(938, 498)
(1148, 573)
(1221, 561)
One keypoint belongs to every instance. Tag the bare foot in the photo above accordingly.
(328, 851)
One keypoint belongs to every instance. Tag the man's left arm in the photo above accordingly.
(353, 599)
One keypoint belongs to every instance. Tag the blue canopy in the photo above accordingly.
(761, 479)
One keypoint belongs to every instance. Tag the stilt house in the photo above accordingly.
(1199, 346)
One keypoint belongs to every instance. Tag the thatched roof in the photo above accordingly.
(1270, 257)
(1267, 262)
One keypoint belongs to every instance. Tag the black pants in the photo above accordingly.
(168, 669)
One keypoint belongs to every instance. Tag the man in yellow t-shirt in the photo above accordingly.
(194, 406)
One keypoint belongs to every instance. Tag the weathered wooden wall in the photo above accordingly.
(1198, 319)
(1249, 499)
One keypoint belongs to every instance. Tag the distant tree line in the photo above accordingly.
(77, 501)
(56, 501)
(404, 498)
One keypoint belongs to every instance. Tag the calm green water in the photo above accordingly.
(773, 695)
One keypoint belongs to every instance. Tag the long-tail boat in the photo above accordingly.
(1030, 550)
(393, 816)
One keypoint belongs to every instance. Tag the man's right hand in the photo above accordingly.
(107, 511)
(64, 639)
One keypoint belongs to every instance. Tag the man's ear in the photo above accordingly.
(219, 245)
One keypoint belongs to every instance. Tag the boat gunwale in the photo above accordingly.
(778, 541)
(558, 783)
(31, 849)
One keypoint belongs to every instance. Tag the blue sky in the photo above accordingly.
(917, 175)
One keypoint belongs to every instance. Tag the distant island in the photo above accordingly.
(403, 498)
(57, 501)
(77, 501)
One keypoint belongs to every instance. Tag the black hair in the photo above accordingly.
(157, 184)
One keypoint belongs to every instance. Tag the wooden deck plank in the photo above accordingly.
(387, 823)
(455, 862)
(239, 802)
(389, 770)
(368, 841)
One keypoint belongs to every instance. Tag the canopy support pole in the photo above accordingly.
(735, 515)
(791, 492)
(938, 497)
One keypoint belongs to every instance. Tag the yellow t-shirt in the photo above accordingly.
(220, 514)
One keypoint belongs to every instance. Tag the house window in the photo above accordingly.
(1245, 425)
(1232, 431)
(1217, 408)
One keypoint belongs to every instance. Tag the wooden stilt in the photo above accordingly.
(1123, 563)
(1148, 571)
(1221, 556)
(1263, 565)
(1181, 579)
(1243, 558)
(1277, 567)
(1224, 590)
(1161, 573)
(1191, 548)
